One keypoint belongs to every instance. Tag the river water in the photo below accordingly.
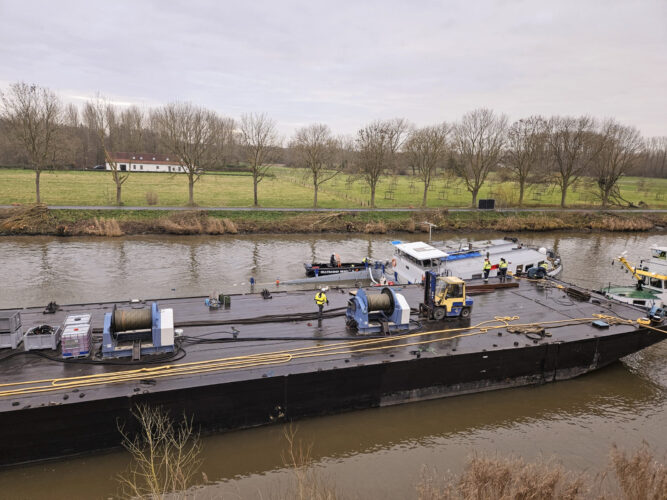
(365, 454)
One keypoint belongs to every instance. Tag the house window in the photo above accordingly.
(167, 159)
(134, 167)
(134, 157)
(141, 157)
(153, 158)
(157, 167)
(141, 167)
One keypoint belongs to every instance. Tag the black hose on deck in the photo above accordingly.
(274, 318)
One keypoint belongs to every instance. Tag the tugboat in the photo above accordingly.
(411, 261)
(651, 281)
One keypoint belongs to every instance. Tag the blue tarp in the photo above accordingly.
(459, 256)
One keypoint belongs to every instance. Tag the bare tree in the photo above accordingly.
(571, 148)
(259, 143)
(34, 116)
(619, 152)
(315, 148)
(654, 162)
(164, 457)
(103, 117)
(525, 149)
(377, 145)
(425, 149)
(194, 135)
(479, 139)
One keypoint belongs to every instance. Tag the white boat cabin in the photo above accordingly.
(466, 260)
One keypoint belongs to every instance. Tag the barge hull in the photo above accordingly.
(57, 429)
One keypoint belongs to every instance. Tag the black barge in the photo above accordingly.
(262, 361)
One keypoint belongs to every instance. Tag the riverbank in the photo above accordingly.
(40, 220)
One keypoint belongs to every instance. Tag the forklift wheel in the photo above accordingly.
(438, 313)
(465, 312)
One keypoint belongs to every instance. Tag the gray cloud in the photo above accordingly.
(345, 63)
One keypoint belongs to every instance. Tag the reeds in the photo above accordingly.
(375, 228)
(630, 476)
(639, 475)
(27, 219)
(104, 227)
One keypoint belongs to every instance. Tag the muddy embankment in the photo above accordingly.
(39, 220)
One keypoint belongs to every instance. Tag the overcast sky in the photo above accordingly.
(346, 63)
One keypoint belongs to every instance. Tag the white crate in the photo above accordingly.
(41, 341)
(10, 329)
(76, 340)
(77, 319)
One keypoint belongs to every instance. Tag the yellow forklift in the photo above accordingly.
(444, 297)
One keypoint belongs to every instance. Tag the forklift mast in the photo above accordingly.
(429, 288)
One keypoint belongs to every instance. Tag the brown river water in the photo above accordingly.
(366, 454)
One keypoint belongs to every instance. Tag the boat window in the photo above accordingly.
(655, 282)
(519, 269)
(528, 266)
(426, 263)
(639, 302)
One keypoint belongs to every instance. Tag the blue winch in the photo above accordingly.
(385, 312)
(135, 332)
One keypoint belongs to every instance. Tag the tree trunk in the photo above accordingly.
(37, 173)
(373, 196)
(315, 189)
(119, 187)
(191, 190)
(563, 194)
(521, 187)
(474, 192)
(254, 188)
(605, 197)
(425, 194)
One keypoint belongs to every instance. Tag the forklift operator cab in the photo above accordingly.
(445, 296)
(448, 288)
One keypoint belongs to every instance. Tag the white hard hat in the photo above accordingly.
(324, 289)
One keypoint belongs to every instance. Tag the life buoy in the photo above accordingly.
(393, 262)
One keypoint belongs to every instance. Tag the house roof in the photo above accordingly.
(145, 158)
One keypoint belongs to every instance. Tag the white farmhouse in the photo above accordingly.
(146, 162)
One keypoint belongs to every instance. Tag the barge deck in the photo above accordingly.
(263, 361)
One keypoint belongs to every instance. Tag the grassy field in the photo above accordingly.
(291, 188)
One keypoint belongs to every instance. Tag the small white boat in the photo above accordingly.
(650, 277)
(466, 260)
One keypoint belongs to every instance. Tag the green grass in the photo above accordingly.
(291, 188)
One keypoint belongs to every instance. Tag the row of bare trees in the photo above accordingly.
(37, 129)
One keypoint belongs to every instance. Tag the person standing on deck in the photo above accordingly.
(332, 260)
(320, 300)
(502, 270)
(487, 269)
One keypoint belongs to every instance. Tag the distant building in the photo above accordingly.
(146, 162)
